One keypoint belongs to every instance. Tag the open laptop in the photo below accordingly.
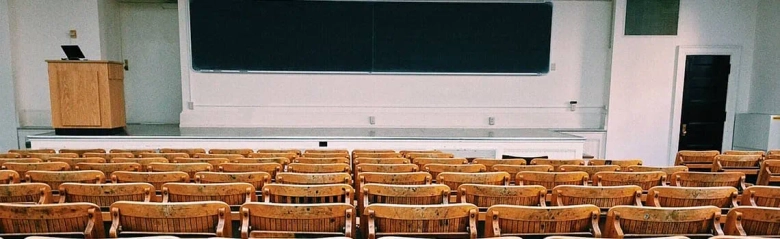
(73, 52)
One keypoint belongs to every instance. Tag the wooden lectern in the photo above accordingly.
(87, 97)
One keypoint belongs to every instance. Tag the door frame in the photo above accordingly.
(735, 52)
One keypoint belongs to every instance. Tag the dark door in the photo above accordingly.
(704, 102)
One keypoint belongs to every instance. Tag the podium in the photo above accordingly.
(87, 97)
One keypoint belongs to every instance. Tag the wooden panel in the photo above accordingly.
(87, 94)
(79, 97)
(116, 89)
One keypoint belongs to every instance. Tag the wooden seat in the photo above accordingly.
(753, 221)
(270, 168)
(326, 155)
(269, 220)
(603, 197)
(104, 195)
(412, 178)
(81, 152)
(46, 156)
(591, 170)
(372, 151)
(745, 152)
(219, 156)
(485, 196)
(321, 160)
(108, 156)
(307, 194)
(696, 160)
(65, 220)
(702, 179)
(203, 219)
(73, 161)
(405, 153)
(9, 177)
(19, 160)
(10, 155)
(288, 156)
(277, 160)
(26, 193)
(359, 161)
(230, 193)
(256, 179)
(634, 221)
(385, 155)
(434, 168)
(747, 164)
(109, 168)
(244, 152)
(191, 152)
(514, 169)
(311, 179)
(761, 196)
(421, 162)
(454, 180)
(136, 152)
(318, 168)
(769, 173)
(645, 180)
(189, 168)
(144, 162)
(506, 220)
(550, 180)
(22, 168)
(430, 221)
(215, 162)
(623, 163)
(670, 196)
(325, 151)
(25, 153)
(285, 151)
(556, 163)
(157, 179)
(668, 170)
(489, 163)
(169, 156)
(54, 179)
(404, 194)
(387, 168)
(430, 154)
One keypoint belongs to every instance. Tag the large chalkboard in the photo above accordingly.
(368, 36)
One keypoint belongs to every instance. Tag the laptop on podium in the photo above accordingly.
(73, 52)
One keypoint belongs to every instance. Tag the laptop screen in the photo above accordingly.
(73, 52)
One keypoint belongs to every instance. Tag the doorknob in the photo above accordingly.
(684, 129)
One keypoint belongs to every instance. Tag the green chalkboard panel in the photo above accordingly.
(652, 17)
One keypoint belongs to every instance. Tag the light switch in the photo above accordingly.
(72, 33)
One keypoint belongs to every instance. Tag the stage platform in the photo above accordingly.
(463, 142)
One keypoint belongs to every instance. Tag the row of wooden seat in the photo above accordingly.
(264, 220)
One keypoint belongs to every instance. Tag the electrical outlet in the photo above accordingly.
(552, 66)
(72, 33)
(190, 105)
(492, 121)
(371, 120)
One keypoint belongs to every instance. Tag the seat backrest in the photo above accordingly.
(434, 168)
(27, 193)
(591, 170)
(325, 151)
(169, 156)
(213, 161)
(725, 162)
(451, 220)
(514, 169)
(556, 163)
(387, 168)
(10, 155)
(551, 179)
(489, 163)
(768, 172)
(635, 221)
(303, 194)
(256, 179)
(81, 152)
(321, 160)
(309, 179)
(198, 218)
(366, 160)
(189, 168)
(484, 196)
(19, 160)
(406, 153)
(404, 194)
(54, 179)
(416, 155)
(745, 152)
(423, 161)
(109, 168)
(623, 163)
(108, 156)
(761, 196)
(9, 177)
(668, 170)
(230, 193)
(602, 197)
(191, 151)
(645, 180)
(277, 160)
(270, 168)
(26, 152)
(136, 152)
(385, 155)
(670, 196)
(326, 155)
(318, 168)
(64, 220)
(144, 162)
(245, 152)
(46, 156)
(283, 151)
(685, 157)
(157, 179)
(22, 168)
(269, 220)
(104, 195)
(506, 220)
(288, 155)
(713, 179)
(454, 180)
(753, 221)
(221, 156)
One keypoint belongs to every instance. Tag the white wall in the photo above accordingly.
(643, 68)
(110, 33)
(580, 34)
(766, 79)
(8, 121)
(38, 28)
